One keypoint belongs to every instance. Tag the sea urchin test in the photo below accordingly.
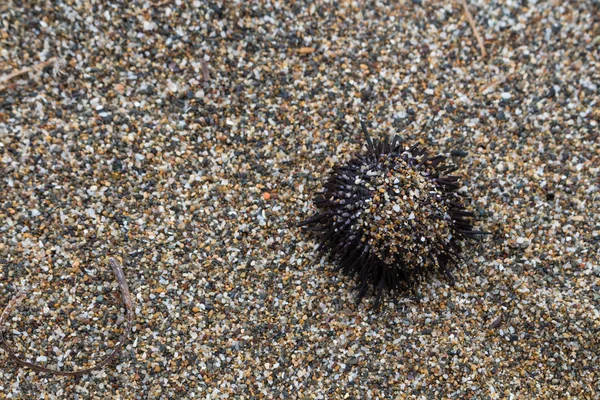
(391, 216)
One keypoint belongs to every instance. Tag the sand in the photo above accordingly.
(187, 139)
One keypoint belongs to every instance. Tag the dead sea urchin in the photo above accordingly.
(391, 216)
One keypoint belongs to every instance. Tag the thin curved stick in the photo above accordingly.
(474, 28)
(25, 70)
(118, 271)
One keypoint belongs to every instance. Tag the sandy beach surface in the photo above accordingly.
(187, 139)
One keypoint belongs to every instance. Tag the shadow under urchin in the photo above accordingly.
(392, 216)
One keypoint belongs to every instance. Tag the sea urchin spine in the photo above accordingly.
(391, 216)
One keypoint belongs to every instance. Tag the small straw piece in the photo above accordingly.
(490, 88)
(474, 28)
(118, 271)
(25, 70)
(160, 3)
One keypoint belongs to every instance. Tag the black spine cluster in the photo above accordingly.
(391, 216)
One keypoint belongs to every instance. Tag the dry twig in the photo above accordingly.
(25, 70)
(159, 3)
(489, 88)
(474, 28)
(118, 271)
